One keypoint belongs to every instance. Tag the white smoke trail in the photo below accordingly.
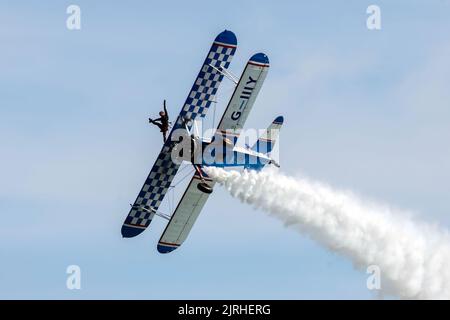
(414, 258)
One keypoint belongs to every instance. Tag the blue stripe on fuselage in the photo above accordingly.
(230, 158)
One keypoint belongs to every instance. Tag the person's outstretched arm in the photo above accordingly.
(165, 109)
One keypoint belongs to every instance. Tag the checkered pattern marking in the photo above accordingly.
(164, 170)
(154, 190)
(208, 81)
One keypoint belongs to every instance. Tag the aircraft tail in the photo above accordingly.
(267, 140)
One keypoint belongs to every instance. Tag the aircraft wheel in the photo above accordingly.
(203, 187)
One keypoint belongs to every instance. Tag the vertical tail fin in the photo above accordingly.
(266, 141)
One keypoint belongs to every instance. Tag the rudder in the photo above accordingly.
(267, 140)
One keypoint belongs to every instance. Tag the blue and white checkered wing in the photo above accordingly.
(200, 97)
(151, 194)
(208, 80)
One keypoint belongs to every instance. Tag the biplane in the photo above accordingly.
(220, 150)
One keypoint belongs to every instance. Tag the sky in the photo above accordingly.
(365, 110)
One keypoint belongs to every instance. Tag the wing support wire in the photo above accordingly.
(226, 73)
(151, 210)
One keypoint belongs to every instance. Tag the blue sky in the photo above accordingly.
(364, 110)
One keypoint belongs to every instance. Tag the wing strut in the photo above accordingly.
(151, 210)
(226, 73)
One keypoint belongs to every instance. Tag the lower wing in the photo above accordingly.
(184, 217)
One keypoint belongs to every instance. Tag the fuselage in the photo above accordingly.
(225, 154)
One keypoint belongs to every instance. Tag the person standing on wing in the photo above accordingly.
(162, 122)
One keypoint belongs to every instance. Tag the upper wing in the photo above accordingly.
(184, 216)
(208, 80)
(245, 93)
(197, 104)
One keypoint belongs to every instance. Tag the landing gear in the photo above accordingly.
(204, 187)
